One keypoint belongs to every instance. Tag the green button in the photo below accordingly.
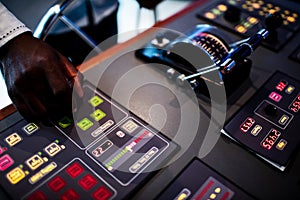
(84, 124)
(97, 115)
(95, 101)
(65, 122)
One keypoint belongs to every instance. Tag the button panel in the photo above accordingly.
(38, 162)
(246, 17)
(268, 124)
(93, 119)
(75, 181)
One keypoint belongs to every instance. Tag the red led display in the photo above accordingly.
(74, 170)
(295, 106)
(56, 184)
(246, 125)
(270, 139)
(281, 85)
(70, 195)
(101, 194)
(87, 182)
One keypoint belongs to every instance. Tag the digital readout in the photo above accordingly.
(246, 125)
(270, 139)
(295, 106)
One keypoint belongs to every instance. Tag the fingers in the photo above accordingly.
(29, 106)
(71, 73)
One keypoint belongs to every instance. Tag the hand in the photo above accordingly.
(39, 79)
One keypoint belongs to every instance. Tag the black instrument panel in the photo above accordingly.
(108, 152)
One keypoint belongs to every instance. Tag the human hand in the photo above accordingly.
(39, 79)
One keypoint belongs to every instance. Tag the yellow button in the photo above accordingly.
(281, 144)
(222, 7)
(210, 15)
(52, 149)
(13, 139)
(15, 175)
(34, 162)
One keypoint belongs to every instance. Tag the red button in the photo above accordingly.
(5, 162)
(38, 195)
(56, 184)
(70, 195)
(74, 170)
(87, 182)
(101, 194)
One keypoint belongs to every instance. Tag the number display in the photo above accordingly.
(246, 125)
(270, 139)
(295, 106)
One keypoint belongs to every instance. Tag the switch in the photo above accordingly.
(271, 110)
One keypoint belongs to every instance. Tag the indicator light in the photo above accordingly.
(85, 124)
(281, 144)
(95, 101)
(97, 115)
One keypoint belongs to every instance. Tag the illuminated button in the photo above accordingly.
(38, 195)
(120, 134)
(70, 195)
(281, 144)
(277, 8)
(5, 162)
(184, 194)
(56, 184)
(269, 5)
(97, 115)
(49, 168)
(275, 96)
(74, 170)
(222, 7)
(52, 149)
(252, 20)
(102, 128)
(95, 101)
(87, 182)
(291, 19)
(42, 173)
(240, 29)
(65, 122)
(13, 139)
(217, 190)
(255, 131)
(36, 177)
(30, 128)
(34, 162)
(101, 194)
(15, 175)
(272, 11)
(295, 15)
(85, 124)
(129, 126)
(256, 5)
(290, 89)
(283, 120)
(212, 196)
(210, 15)
(286, 12)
